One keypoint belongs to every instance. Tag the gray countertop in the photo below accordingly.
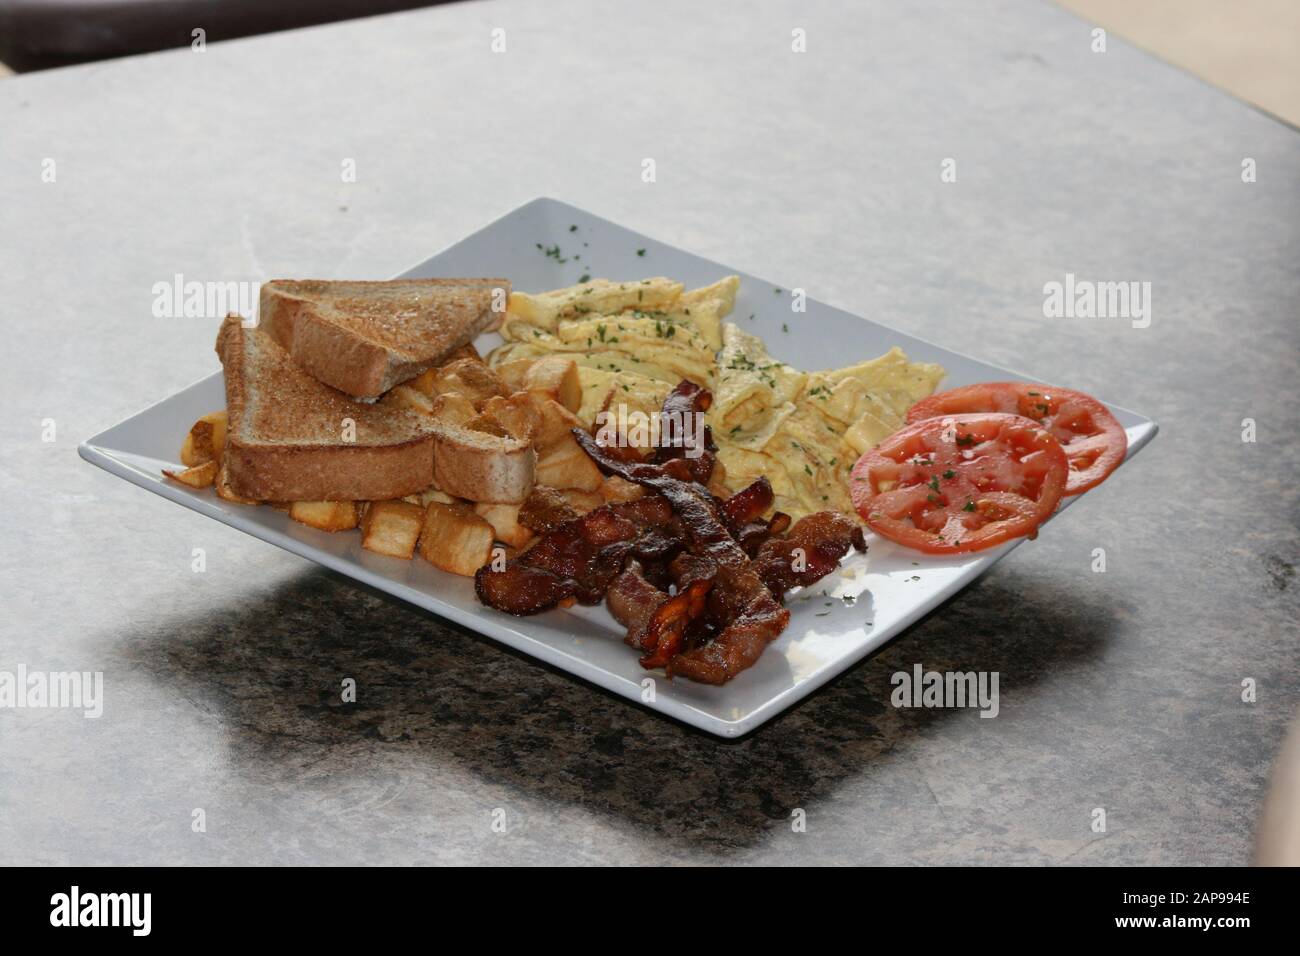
(1119, 690)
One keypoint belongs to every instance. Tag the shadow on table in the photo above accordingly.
(512, 722)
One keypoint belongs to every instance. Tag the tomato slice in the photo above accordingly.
(961, 482)
(1094, 441)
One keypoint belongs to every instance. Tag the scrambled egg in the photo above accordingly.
(634, 341)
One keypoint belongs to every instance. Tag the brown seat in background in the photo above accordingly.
(37, 34)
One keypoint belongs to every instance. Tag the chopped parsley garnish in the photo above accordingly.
(586, 277)
(968, 506)
(640, 252)
(965, 440)
(573, 229)
(950, 474)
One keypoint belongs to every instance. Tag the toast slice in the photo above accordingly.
(365, 337)
(288, 434)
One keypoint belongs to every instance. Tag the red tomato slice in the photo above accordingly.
(1094, 441)
(961, 482)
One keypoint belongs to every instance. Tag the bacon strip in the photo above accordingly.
(739, 599)
(726, 567)
(810, 551)
(581, 557)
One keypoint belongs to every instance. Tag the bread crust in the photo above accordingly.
(347, 358)
(330, 473)
(264, 468)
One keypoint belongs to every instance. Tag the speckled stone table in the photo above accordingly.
(1120, 690)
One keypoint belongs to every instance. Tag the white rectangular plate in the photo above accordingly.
(833, 625)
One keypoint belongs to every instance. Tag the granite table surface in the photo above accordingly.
(1120, 690)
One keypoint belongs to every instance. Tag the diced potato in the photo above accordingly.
(504, 520)
(438, 495)
(614, 488)
(555, 377)
(518, 415)
(206, 440)
(225, 492)
(325, 515)
(392, 528)
(487, 425)
(566, 465)
(455, 539)
(200, 476)
(453, 408)
(557, 423)
(469, 377)
(425, 382)
(404, 396)
(512, 373)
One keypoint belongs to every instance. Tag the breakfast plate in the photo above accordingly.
(547, 244)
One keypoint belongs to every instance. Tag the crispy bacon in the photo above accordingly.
(748, 615)
(633, 600)
(677, 440)
(545, 509)
(581, 557)
(697, 581)
(810, 551)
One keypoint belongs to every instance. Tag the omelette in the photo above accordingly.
(634, 341)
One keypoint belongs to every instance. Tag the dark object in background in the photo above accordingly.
(38, 34)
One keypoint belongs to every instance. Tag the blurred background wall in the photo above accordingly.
(1251, 48)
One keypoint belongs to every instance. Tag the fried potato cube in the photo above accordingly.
(614, 489)
(566, 465)
(455, 539)
(392, 528)
(555, 377)
(225, 492)
(470, 377)
(556, 423)
(206, 440)
(325, 515)
(425, 382)
(200, 476)
(404, 396)
(513, 373)
(517, 415)
(504, 520)
(453, 408)
(486, 425)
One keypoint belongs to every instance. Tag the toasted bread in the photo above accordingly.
(365, 337)
(287, 438)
